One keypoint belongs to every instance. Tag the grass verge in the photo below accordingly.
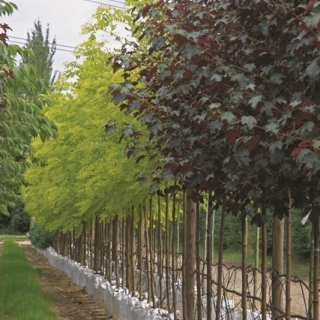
(21, 296)
(7, 237)
(300, 266)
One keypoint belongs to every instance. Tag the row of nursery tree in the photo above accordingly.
(212, 100)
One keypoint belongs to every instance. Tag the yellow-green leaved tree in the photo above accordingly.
(84, 173)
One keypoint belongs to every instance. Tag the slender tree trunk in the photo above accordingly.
(91, 244)
(311, 271)
(219, 292)
(184, 249)
(160, 250)
(264, 268)
(316, 269)
(256, 265)
(83, 239)
(115, 246)
(109, 234)
(123, 252)
(132, 251)
(96, 245)
(244, 266)
(277, 265)
(174, 235)
(151, 254)
(199, 304)
(128, 253)
(147, 253)
(288, 258)
(69, 243)
(213, 233)
(209, 256)
(167, 253)
(141, 240)
(115, 238)
(189, 227)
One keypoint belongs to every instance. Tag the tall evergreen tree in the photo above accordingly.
(44, 52)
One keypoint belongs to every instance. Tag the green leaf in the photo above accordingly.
(255, 100)
(250, 66)
(272, 126)
(250, 121)
(313, 70)
(228, 116)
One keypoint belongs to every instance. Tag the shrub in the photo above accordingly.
(39, 237)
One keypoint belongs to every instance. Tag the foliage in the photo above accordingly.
(17, 222)
(43, 50)
(229, 95)
(84, 173)
(301, 237)
(39, 237)
(20, 220)
(22, 98)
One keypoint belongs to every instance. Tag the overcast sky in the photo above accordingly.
(65, 18)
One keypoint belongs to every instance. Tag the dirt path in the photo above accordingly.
(71, 302)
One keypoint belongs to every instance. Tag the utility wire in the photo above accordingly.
(19, 42)
(115, 1)
(112, 5)
(58, 45)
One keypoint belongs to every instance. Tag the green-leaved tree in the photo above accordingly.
(44, 51)
(22, 99)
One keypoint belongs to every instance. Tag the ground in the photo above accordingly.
(70, 301)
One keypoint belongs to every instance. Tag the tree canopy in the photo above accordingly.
(230, 95)
(22, 99)
(84, 173)
(44, 51)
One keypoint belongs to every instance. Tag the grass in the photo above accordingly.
(7, 237)
(300, 266)
(21, 296)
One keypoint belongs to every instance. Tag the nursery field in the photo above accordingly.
(67, 301)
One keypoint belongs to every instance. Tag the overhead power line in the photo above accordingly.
(115, 1)
(112, 5)
(58, 45)
(19, 42)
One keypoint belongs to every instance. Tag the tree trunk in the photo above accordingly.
(256, 265)
(184, 249)
(174, 235)
(209, 256)
(147, 252)
(264, 269)
(151, 253)
(199, 304)
(189, 227)
(277, 265)
(316, 269)
(141, 246)
(160, 250)
(288, 258)
(244, 266)
(123, 253)
(219, 291)
(311, 271)
(167, 253)
(114, 238)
